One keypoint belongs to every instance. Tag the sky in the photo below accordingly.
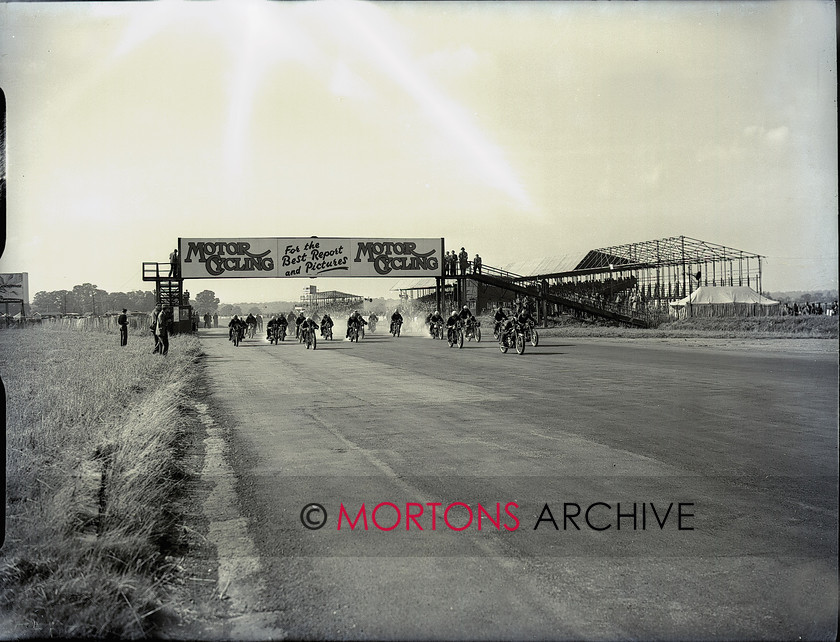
(517, 130)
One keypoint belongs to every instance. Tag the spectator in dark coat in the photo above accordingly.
(123, 322)
(463, 258)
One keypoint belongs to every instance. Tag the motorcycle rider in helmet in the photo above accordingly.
(498, 318)
(396, 318)
(524, 317)
(437, 317)
(354, 319)
(326, 323)
(454, 320)
(309, 323)
(234, 324)
(466, 316)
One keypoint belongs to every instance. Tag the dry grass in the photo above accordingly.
(92, 464)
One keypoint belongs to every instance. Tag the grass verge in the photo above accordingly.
(782, 327)
(94, 439)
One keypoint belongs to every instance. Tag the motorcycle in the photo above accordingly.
(512, 337)
(455, 335)
(532, 335)
(372, 325)
(353, 333)
(473, 330)
(309, 339)
(395, 328)
(437, 330)
(273, 334)
(497, 328)
(326, 332)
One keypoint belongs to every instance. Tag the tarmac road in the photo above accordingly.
(724, 465)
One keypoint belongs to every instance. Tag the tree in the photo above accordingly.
(89, 298)
(228, 310)
(206, 301)
(49, 302)
(116, 301)
(255, 310)
(140, 300)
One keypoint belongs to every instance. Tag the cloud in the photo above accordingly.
(753, 139)
(777, 135)
(761, 134)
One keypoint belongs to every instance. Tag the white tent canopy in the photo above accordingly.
(725, 301)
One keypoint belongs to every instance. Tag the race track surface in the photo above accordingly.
(626, 490)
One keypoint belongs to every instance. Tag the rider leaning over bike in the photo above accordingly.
(499, 317)
(234, 325)
(524, 317)
(308, 323)
(437, 317)
(466, 316)
(519, 320)
(276, 321)
(354, 319)
(326, 323)
(300, 319)
(396, 318)
(454, 320)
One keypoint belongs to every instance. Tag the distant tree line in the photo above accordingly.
(90, 299)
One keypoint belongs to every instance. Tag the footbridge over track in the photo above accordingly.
(537, 287)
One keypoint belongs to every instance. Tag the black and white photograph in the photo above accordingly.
(359, 320)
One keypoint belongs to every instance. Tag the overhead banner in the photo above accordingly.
(221, 258)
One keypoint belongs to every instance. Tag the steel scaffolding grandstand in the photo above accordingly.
(330, 299)
(664, 270)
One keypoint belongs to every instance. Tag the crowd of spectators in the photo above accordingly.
(455, 263)
(808, 308)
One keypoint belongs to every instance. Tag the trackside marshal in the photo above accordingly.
(221, 258)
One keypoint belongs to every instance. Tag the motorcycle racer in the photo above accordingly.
(437, 317)
(234, 325)
(326, 323)
(279, 321)
(354, 319)
(498, 318)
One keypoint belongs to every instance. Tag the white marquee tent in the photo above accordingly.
(724, 301)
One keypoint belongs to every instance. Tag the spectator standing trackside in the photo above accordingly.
(153, 327)
(173, 263)
(163, 330)
(463, 258)
(477, 264)
(123, 321)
